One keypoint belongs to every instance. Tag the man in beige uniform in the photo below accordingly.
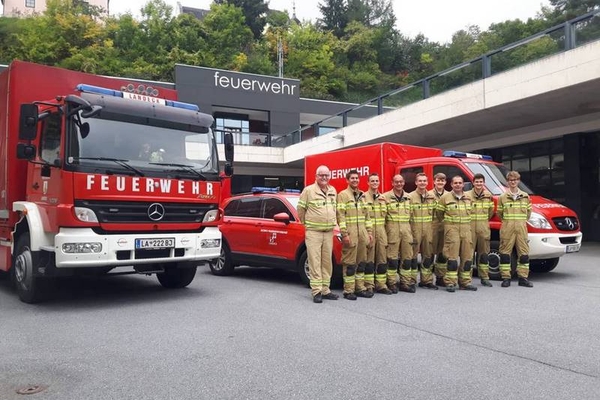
(376, 255)
(355, 227)
(422, 204)
(399, 234)
(317, 211)
(482, 211)
(437, 227)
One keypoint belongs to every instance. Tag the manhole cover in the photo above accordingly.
(33, 389)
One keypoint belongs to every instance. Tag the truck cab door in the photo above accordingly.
(45, 175)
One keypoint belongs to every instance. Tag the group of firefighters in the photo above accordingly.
(383, 234)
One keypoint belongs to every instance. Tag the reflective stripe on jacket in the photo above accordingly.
(516, 208)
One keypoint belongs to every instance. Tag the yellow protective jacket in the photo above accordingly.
(453, 210)
(422, 208)
(317, 208)
(482, 205)
(352, 212)
(517, 208)
(377, 206)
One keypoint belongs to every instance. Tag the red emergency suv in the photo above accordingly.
(262, 229)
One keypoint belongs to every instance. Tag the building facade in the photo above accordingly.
(17, 8)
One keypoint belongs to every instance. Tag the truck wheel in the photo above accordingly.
(543, 266)
(176, 277)
(29, 287)
(303, 270)
(222, 266)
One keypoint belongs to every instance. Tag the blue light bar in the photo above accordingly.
(185, 106)
(264, 189)
(99, 90)
(462, 154)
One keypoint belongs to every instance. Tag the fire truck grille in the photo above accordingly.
(566, 223)
(140, 212)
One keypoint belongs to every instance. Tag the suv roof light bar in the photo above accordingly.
(264, 189)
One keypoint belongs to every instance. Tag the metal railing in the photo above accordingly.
(559, 38)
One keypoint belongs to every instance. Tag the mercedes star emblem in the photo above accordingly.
(570, 223)
(156, 212)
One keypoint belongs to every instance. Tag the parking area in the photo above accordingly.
(257, 335)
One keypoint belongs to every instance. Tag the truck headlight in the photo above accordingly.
(539, 221)
(82, 247)
(211, 216)
(85, 214)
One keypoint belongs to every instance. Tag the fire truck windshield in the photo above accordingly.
(144, 144)
(495, 177)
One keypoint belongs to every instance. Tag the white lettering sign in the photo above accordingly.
(246, 84)
(341, 173)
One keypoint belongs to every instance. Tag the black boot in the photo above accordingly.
(439, 281)
(525, 282)
(428, 286)
(486, 282)
(469, 287)
(318, 298)
(505, 283)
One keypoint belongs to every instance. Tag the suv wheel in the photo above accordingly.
(303, 269)
(222, 266)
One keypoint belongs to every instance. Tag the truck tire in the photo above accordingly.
(176, 277)
(543, 266)
(222, 266)
(29, 287)
(303, 270)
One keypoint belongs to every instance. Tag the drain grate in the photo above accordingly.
(32, 389)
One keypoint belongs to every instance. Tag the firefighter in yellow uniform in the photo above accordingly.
(482, 211)
(355, 227)
(437, 227)
(399, 234)
(317, 211)
(454, 209)
(375, 273)
(514, 209)
(422, 205)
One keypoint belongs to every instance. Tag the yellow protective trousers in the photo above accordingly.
(319, 246)
(458, 243)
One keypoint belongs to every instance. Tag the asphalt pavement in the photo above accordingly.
(257, 335)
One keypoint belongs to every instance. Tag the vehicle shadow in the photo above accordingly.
(279, 276)
(104, 292)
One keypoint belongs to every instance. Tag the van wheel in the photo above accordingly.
(29, 287)
(494, 261)
(176, 277)
(543, 266)
(303, 270)
(222, 266)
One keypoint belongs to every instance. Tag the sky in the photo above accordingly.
(436, 19)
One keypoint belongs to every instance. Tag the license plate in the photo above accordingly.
(156, 243)
(572, 248)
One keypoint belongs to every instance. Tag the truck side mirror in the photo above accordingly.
(228, 142)
(228, 169)
(28, 121)
(25, 151)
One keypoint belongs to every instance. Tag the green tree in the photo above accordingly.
(229, 39)
(254, 11)
(334, 16)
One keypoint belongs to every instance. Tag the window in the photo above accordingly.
(247, 207)
(409, 175)
(50, 140)
(274, 206)
(450, 171)
(30, 3)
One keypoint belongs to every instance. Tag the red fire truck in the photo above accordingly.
(101, 173)
(553, 228)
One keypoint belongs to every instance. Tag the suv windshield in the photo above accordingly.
(145, 144)
(495, 177)
(293, 200)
